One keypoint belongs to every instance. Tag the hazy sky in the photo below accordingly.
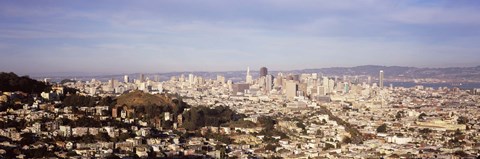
(116, 36)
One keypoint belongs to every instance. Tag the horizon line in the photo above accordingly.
(93, 74)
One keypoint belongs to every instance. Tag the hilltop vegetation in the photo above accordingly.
(10, 82)
(202, 116)
(148, 106)
(139, 98)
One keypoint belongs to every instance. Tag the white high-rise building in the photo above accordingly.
(126, 79)
(291, 89)
(229, 84)
(160, 87)
(200, 80)
(191, 79)
(380, 82)
(249, 78)
(142, 78)
(111, 83)
(143, 87)
(331, 85)
(269, 83)
(182, 78)
(325, 85)
(260, 82)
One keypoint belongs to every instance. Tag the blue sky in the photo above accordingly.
(116, 36)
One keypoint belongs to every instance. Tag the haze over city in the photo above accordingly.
(116, 37)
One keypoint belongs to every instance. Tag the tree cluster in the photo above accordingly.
(462, 120)
(151, 111)
(27, 139)
(79, 100)
(268, 124)
(19, 125)
(400, 114)
(67, 80)
(68, 90)
(202, 116)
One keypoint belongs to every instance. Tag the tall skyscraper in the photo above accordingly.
(331, 85)
(261, 82)
(346, 87)
(160, 87)
(191, 79)
(142, 78)
(291, 89)
(182, 78)
(325, 84)
(263, 72)
(126, 79)
(381, 79)
(249, 78)
(111, 83)
(269, 83)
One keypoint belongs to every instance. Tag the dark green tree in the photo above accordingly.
(462, 120)
(422, 116)
(382, 128)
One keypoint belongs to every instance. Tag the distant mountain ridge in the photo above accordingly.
(459, 73)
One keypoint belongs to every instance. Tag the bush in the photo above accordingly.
(382, 128)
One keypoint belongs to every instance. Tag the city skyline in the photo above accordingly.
(118, 37)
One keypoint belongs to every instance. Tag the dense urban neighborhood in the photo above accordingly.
(286, 116)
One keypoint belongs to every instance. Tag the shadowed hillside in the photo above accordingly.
(10, 82)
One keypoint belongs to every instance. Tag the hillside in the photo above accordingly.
(139, 98)
(10, 82)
